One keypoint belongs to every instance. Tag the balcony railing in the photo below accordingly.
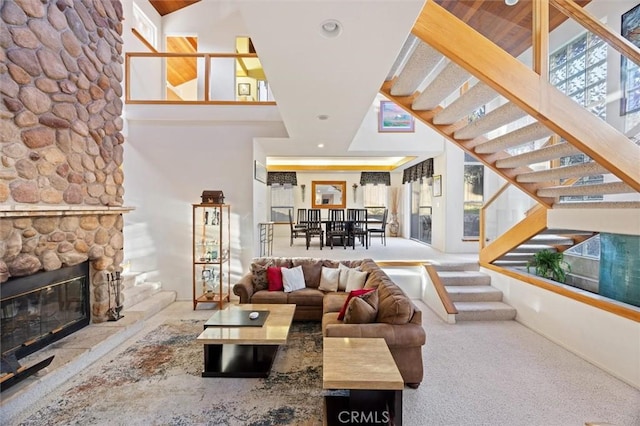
(195, 78)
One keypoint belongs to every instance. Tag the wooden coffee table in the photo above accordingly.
(240, 351)
(365, 369)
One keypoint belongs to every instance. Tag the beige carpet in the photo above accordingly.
(476, 373)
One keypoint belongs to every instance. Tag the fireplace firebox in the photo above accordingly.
(38, 310)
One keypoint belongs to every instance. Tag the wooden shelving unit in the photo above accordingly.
(211, 254)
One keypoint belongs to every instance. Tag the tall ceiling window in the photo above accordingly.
(579, 69)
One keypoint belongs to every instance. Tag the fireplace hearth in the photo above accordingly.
(38, 310)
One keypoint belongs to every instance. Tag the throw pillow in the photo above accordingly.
(362, 309)
(352, 294)
(274, 277)
(344, 276)
(259, 276)
(329, 279)
(292, 279)
(356, 279)
(311, 269)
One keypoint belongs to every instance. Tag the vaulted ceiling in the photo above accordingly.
(312, 75)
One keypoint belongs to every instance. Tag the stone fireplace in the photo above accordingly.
(61, 151)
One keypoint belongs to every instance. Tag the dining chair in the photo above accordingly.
(358, 226)
(314, 227)
(295, 232)
(336, 214)
(380, 230)
(301, 222)
(335, 229)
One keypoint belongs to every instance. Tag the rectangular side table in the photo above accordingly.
(365, 369)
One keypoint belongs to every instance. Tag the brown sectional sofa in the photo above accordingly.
(398, 320)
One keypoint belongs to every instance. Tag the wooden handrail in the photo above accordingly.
(207, 76)
(144, 40)
(524, 230)
(190, 55)
(591, 23)
(442, 292)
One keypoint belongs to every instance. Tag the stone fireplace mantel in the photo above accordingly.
(48, 210)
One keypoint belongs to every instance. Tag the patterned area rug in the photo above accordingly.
(157, 381)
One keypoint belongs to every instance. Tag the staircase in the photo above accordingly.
(518, 132)
(472, 294)
(550, 239)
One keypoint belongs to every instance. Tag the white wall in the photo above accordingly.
(147, 74)
(167, 165)
(216, 34)
(604, 339)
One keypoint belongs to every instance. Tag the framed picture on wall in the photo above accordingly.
(437, 185)
(244, 89)
(392, 118)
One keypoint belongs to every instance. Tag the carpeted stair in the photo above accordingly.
(472, 294)
(426, 80)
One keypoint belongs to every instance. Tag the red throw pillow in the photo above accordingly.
(353, 293)
(274, 278)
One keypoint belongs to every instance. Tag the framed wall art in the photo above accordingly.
(244, 89)
(392, 118)
(437, 185)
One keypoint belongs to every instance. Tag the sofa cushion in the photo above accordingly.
(329, 279)
(306, 297)
(333, 302)
(266, 296)
(292, 279)
(356, 279)
(312, 268)
(274, 278)
(362, 309)
(259, 276)
(354, 293)
(394, 307)
(284, 262)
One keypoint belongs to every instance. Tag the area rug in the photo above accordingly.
(157, 381)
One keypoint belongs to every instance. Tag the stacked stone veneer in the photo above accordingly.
(60, 138)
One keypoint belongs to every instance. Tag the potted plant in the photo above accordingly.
(550, 265)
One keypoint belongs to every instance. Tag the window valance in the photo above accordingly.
(375, 178)
(418, 171)
(282, 178)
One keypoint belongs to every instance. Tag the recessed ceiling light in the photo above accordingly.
(320, 145)
(323, 117)
(511, 2)
(330, 28)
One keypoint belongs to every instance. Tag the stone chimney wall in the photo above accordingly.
(61, 150)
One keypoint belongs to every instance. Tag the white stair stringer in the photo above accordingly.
(421, 63)
(598, 205)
